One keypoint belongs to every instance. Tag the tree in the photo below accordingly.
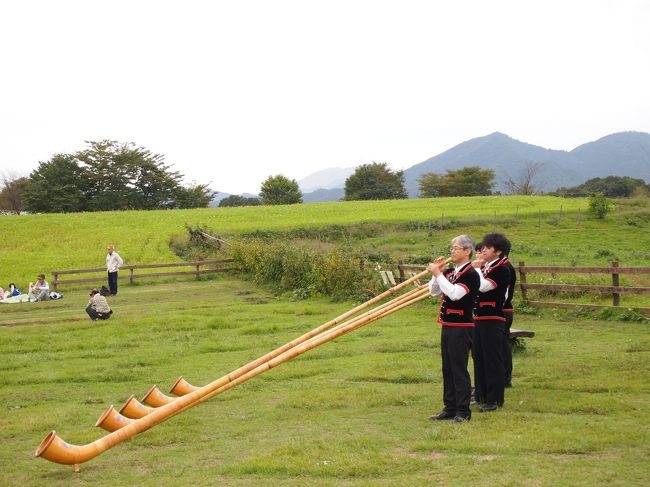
(280, 190)
(110, 175)
(375, 181)
(527, 182)
(12, 188)
(56, 186)
(599, 206)
(235, 200)
(610, 187)
(466, 181)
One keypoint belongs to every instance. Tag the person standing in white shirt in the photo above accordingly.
(113, 263)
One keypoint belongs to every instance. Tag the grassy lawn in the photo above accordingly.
(351, 412)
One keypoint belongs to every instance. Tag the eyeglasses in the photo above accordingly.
(456, 248)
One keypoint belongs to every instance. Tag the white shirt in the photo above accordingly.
(452, 291)
(113, 262)
(486, 285)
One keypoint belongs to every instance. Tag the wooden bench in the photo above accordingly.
(514, 333)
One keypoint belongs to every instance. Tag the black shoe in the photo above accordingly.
(461, 419)
(488, 408)
(442, 415)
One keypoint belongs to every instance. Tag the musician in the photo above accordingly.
(459, 288)
(490, 321)
(508, 310)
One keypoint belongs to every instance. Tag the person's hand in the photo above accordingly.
(477, 264)
(437, 266)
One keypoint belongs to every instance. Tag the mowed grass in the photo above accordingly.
(31, 244)
(351, 412)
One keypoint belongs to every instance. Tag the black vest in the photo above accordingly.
(489, 305)
(459, 313)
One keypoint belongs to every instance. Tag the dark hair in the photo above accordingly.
(497, 241)
(94, 291)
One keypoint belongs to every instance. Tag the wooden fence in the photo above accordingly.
(199, 269)
(523, 286)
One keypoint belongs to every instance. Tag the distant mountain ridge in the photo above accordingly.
(619, 154)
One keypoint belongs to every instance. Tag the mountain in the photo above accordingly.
(334, 194)
(326, 179)
(621, 154)
(509, 158)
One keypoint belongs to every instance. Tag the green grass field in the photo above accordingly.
(30, 244)
(351, 412)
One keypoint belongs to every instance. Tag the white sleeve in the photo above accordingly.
(434, 288)
(119, 260)
(452, 291)
(486, 285)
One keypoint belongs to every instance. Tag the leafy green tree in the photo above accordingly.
(236, 200)
(610, 187)
(56, 186)
(375, 181)
(110, 175)
(466, 181)
(599, 205)
(193, 196)
(280, 190)
(12, 189)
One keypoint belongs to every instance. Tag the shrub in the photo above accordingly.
(303, 271)
(599, 206)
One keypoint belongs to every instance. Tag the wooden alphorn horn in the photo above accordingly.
(155, 398)
(111, 420)
(53, 448)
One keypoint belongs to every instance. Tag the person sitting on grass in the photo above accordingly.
(39, 291)
(98, 308)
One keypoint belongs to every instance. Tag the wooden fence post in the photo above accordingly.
(198, 271)
(400, 267)
(616, 297)
(56, 279)
(522, 280)
(131, 275)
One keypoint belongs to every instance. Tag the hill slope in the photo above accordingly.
(507, 157)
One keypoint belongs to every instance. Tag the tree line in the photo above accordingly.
(107, 175)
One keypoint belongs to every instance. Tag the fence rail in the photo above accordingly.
(524, 270)
(198, 271)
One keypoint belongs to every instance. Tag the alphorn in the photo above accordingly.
(53, 448)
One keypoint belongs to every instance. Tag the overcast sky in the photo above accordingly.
(232, 92)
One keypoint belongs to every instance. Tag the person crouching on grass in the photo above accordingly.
(98, 308)
(490, 320)
(459, 288)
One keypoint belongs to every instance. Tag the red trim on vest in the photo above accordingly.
(455, 324)
(451, 311)
(488, 303)
(487, 318)
(507, 310)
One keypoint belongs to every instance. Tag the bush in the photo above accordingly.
(303, 271)
(599, 206)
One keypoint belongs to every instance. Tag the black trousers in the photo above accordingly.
(95, 315)
(489, 375)
(455, 344)
(112, 282)
(507, 350)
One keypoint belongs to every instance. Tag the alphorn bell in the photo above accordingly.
(111, 420)
(181, 387)
(134, 409)
(155, 398)
(53, 448)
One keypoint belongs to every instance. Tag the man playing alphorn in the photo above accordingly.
(459, 287)
(494, 275)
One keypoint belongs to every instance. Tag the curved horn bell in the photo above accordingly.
(155, 398)
(181, 387)
(111, 420)
(135, 409)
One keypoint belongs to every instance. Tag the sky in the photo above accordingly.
(233, 92)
